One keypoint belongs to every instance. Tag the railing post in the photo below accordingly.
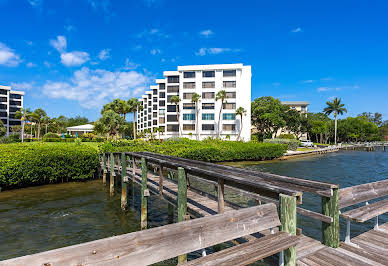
(124, 180)
(104, 169)
(161, 180)
(330, 232)
(182, 203)
(288, 221)
(144, 194)
(220, 193)
(112, 175)
(133, 169)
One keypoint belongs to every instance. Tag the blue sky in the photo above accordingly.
(72, 56)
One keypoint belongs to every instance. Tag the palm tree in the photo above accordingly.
(111, 123)
(176, 100)
(134, 106)
(40, 115)
(241, 112)
(221, 95)
(23, 115)
(337, 108)
(33, 118)
(195, 99)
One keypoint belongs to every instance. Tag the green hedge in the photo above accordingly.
(292, 144)
(27, 164)
(209, 150)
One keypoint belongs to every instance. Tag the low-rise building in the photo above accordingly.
(78, 131)
(10, 102)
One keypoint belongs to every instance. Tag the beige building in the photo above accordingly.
(10, 102)
(300, 106)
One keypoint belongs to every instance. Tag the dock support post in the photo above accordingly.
(288, 221)
(182, 203)
(133, 169)
(161, 180)
(330, 232)
(104, 169)
(220, 192)
(170, 213)
(144, 194)
(124, 180)
(112, 175)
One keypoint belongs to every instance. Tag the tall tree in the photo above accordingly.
(111, 123)
(41, 114)
(195, 99)
(23, 115)
(134, 107)
(221, 95)
(337, 108)
(176, 100)
(241, 112)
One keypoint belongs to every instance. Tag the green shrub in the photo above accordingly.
(27, 164)
(212, 150)
(51, 137)
(286, 136)
(292, 144)
(4, 140)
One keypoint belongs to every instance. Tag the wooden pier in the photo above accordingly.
(203, 215)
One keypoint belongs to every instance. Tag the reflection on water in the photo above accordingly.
(41, 218)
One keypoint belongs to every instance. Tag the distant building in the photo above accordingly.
(10, 102)
(207, 81)
(297, 105)
(80, 130)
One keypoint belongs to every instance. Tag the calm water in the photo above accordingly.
(47, 217)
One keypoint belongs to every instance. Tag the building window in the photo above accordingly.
(18, 103)
(155, 107)
(161, 129)
(149, 117)
(3, 106)
(155, 99)
(4, 121)
(188, 127)
(3, 92)
(229, 84)
(15, 123)
(207, 95)
(169, 98)
(188, 116)
(187, 96)
(155, 114)
(207, 116)
(229, 106)
(149, 109)
(3, 99)
(173, 79)
(208, 85)
(207, 126)
(189, 74)
(304, 108)
(188, 106)
(155, 92)
(162, 120)
(145, 112)
(162, 111)
(228, 116)
(162, 94)
(229, 73)
(149, 123)
(149, 96)
(231, 95)
(231, 127)
(171, 89)
(162, 103)
(172, 128)
(189, 85)
(208, 106)
(15, 96)
(208, 74)
(155, 122)
(162, 86)
(172, 118)
(3, 114)
(171, 108)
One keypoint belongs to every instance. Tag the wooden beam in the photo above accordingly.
(124, 187)
(182, 203)
(161, 180)
(288, 220)
(144, 190)
(221, 194)
(330, 232)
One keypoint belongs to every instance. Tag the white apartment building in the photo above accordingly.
(10, 102)
(207, 81)
(300, 106)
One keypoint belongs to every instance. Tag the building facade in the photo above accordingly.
(207, 81)
(300, 106)
(10, 102)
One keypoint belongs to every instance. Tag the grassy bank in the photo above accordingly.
(28, 164)
(207, 150)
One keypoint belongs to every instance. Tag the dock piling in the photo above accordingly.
(124, 186)
(330, 232)
(144, 190)
(161, 180)
(288, 221)
(112, 175)
(182, 203)
(104, 169)
(220, 193)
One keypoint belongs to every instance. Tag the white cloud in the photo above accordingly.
(35, 3)
(22, 85)
(104, 54)
(75, 58)
(59, 44)
(104, 5)
(129, 65)
(320, 89)
(205, 51)
(206, 33)
(8, 57)
(155, 51)
(30, 65)
(296, 30)
(152, 34)
(93, 88)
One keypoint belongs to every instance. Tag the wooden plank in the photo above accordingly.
(143, 215)
(330, 232)
(288, 220)
(361, 193)
(112, 175)
(362, 254)
(182, 203)
(158, 244)
(249, 252)
(367, 212)
(220, 194)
